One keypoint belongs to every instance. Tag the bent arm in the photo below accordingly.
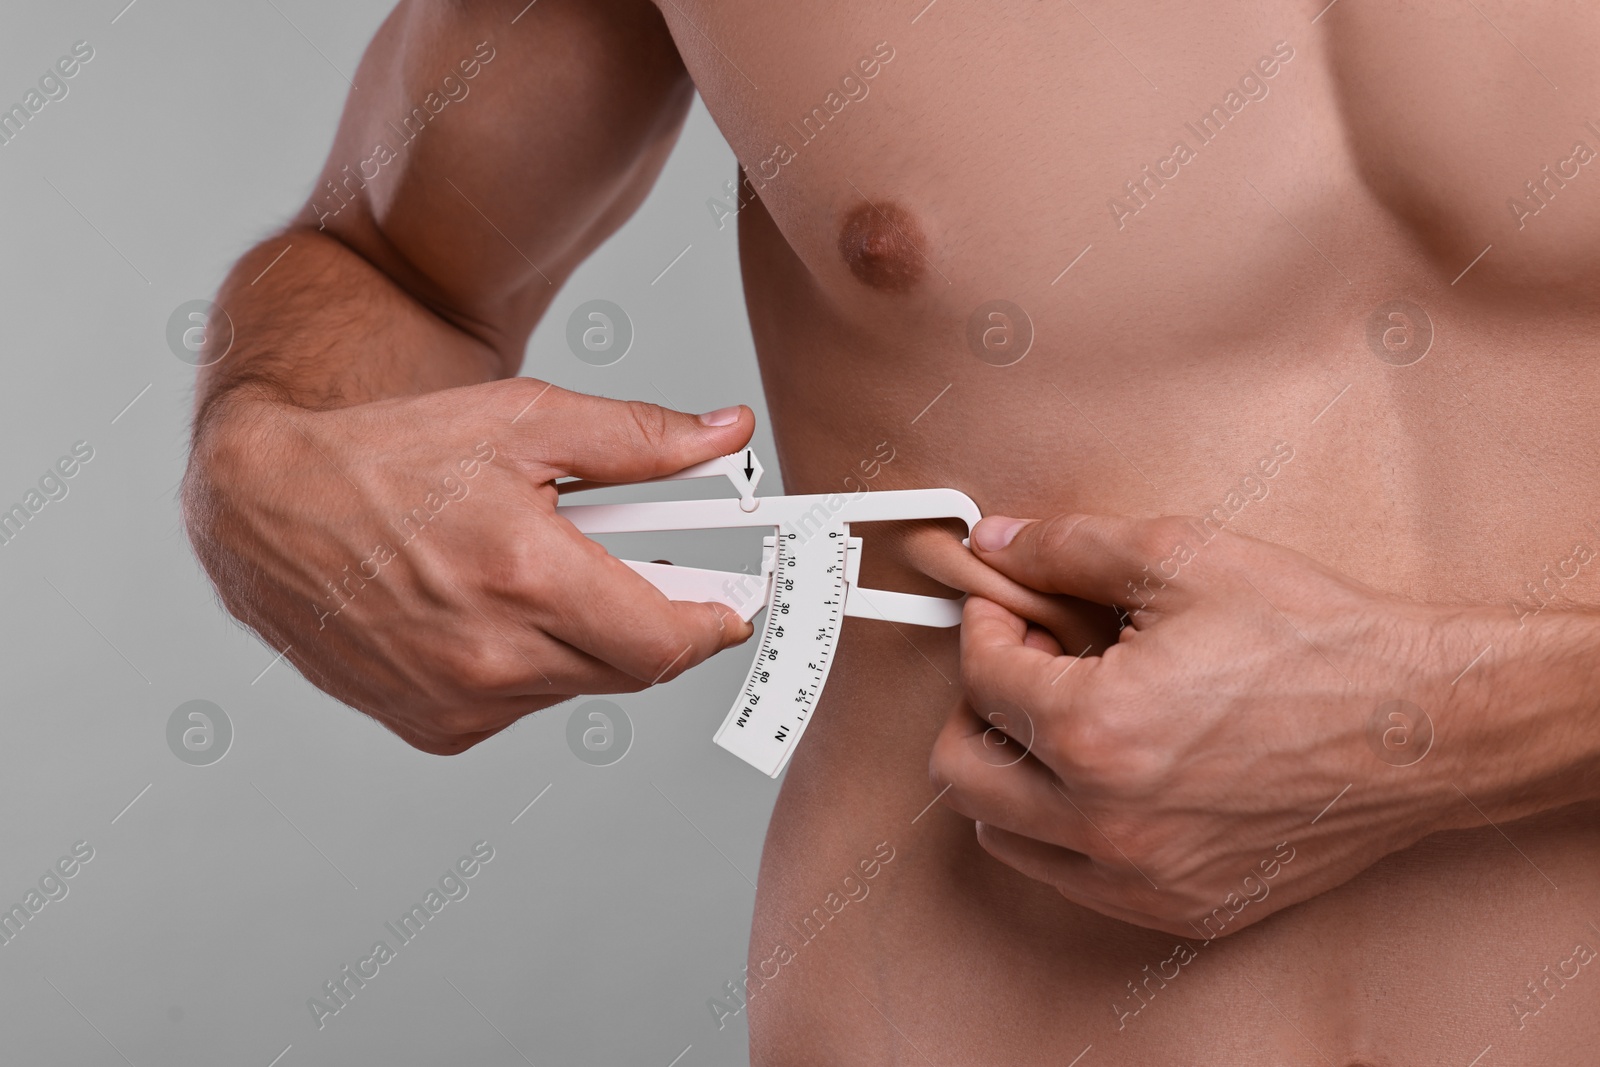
(476, 164)
(487, 150)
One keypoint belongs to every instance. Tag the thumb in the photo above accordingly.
(603, 440)
(1102, 558)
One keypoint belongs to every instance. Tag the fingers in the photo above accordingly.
(1080, 879)
(456, 731)
(1026, 821)
(494, 687)
(1043, 862)
(602, 607)
(1002, 667)
(1043, 640)
(990, 776)
(1076, 623)
(621, 440)
(1104, 558)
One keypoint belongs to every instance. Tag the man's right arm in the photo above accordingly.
(365, 486)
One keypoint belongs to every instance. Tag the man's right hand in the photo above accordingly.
(408, 554)
(370, 371)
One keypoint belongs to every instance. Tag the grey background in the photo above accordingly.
(226, 895)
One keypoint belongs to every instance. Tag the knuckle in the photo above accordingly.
(662, 656)
(432, 744)
(1082, 739)
(517, 395)
(461, 721)
(515, 571)
(488, 666)
(628, 683)
(1152, 540)
(1053, 746)
(1093, 739)
(650, 424)
(976, 679)
(1098, 746)
(1172, 529)
(1097, 758)
(1056, 535)
(522, 389)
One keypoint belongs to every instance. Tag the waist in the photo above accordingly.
(1434, 481)
(943, 948)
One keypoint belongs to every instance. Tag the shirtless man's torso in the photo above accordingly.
(1232, 240)
(1224, 307)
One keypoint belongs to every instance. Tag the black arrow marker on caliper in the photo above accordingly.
(749, 467)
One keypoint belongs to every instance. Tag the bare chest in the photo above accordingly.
(1210, 229)
(1000, 139)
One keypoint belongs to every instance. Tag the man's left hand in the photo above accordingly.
(1234, 752)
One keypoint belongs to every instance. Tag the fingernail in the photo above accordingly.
(721, 417)
(995, 532)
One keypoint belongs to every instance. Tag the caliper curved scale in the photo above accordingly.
(807, 584)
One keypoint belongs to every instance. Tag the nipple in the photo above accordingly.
(882, 244)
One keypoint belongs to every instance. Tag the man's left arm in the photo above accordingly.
(1265, 728)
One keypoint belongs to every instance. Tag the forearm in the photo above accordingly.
(1519, 731)
(323, 328)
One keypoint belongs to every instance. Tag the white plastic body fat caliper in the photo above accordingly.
(807, 585)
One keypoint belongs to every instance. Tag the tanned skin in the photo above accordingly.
(1200, 842)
